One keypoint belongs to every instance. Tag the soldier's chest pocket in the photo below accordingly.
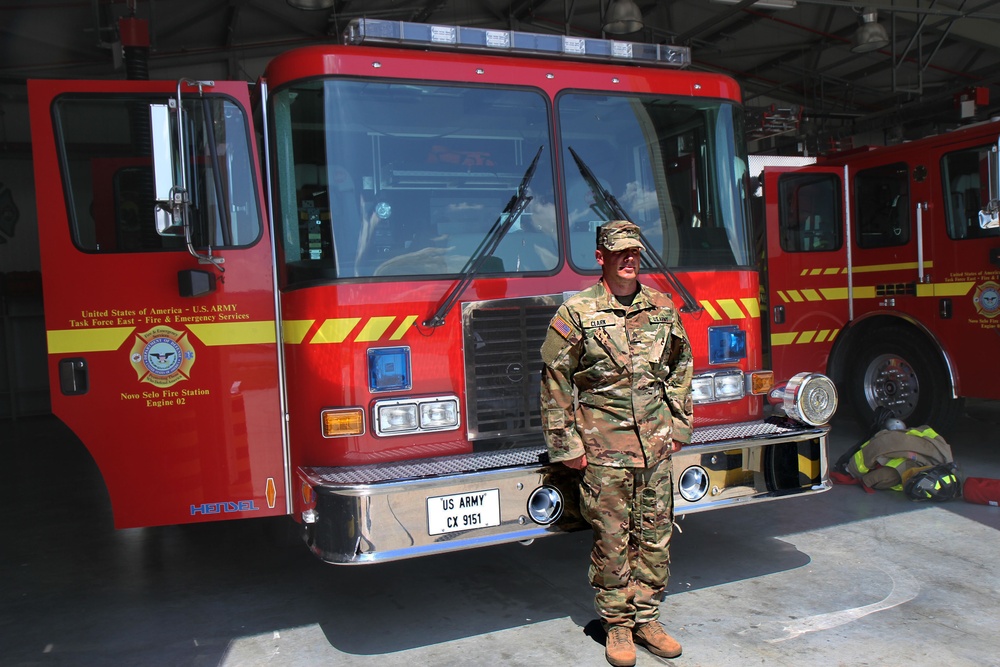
(660, 326)
(601, 346)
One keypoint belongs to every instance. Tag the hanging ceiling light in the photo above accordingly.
(870, 35)
(312, 4)
(623, 17)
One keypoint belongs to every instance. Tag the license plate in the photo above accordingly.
(463, 511)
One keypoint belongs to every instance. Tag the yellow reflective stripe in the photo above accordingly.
(901, 266)
(805, 337)
(294, 331)
(859, 460)
(945, 289)
(234, 333)
(339, 330)
(373, 329)
(834, 270)
(864, 292)
(783, 338)
(403, 327)
(795, 296)
(74, 341)
(335, 330)
(710, 309)
(834, 293)
(752, 306)
(811, 295)
(926, 433)
(731, 309)
(784, 297)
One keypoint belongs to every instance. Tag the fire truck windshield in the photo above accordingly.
(383, 179)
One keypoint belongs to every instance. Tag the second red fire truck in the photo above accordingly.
(348, 329)
(883, 271)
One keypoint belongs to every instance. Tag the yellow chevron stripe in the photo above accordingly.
(811, 295)
(732, 309)
(783, 338)
(335, 330)
(815, 272)
(403, 327)
(796, 296)
(752, 306)
(373, 329)
(73, 341)
(805, 337)
(294, 331)
(832, 271)
(234, 333)
(710, 309)
(834, 293)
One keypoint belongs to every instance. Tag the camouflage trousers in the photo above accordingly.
(631, 511)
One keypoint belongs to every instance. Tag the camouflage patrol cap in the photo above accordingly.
(619, 235)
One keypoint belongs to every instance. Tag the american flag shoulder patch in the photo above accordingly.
(562, 326)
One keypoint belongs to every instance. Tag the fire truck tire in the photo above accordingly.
(898, 370)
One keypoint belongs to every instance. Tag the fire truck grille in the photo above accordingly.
(435, 467)
(503, 366)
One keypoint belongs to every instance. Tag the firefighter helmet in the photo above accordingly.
(937, 483)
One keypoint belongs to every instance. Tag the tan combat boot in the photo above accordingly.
(619, 649)
(656, 640)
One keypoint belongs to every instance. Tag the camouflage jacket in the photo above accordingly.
(630, 369)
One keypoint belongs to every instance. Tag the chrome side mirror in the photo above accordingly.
(169, 198)
(989, 216)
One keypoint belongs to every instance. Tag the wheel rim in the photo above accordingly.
(891, 382)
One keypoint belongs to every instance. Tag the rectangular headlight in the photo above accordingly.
(729, 386)
(396, 418)
(439, 414)
(718, 386)
(702, 389)
(416, 415)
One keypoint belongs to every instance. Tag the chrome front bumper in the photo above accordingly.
(380, 512)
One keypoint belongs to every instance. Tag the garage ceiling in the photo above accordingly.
(804, 87)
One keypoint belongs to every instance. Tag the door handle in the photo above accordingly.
(779, 314)
(73, 376)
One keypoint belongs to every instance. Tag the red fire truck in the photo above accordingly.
(883, 271)
(348, 329)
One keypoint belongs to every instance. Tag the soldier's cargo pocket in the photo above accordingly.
(656, 518)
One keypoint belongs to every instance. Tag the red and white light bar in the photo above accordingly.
(374, 31)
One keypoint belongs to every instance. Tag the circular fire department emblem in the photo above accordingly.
(987, 299)
(162, 356)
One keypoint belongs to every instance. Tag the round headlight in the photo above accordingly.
(693, 484)
(810, 398)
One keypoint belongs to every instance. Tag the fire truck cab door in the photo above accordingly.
(164, 366)
(806, 268)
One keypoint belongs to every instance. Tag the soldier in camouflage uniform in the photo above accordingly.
(616, 402)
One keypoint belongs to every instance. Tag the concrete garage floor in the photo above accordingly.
(841, 578)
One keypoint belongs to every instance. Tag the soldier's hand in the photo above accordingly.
(579, 463)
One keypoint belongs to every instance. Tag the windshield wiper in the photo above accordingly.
(511, 212)
(613, 210)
